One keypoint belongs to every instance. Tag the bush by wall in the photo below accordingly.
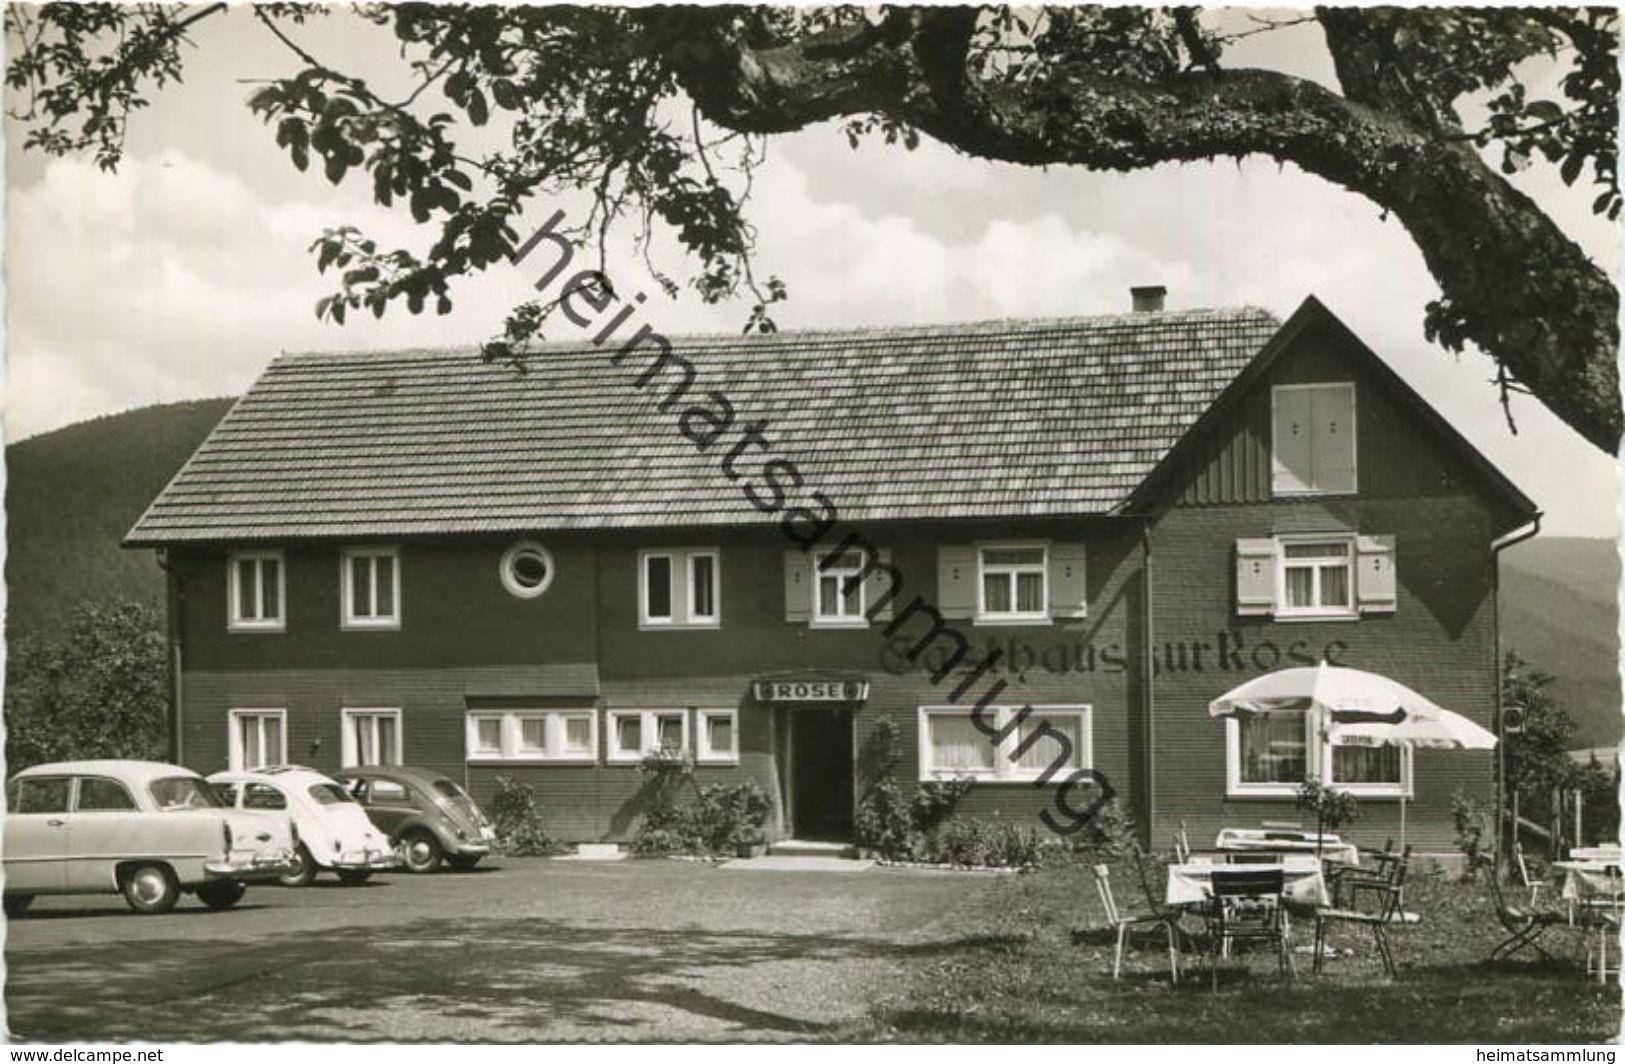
(517, 816)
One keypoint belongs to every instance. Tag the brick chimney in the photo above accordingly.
(1148, 298)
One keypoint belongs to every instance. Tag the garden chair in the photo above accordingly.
(1386, 887)
(1524, 924)
(1182, 844)
(1247, 905)
(1600, 918)
(1344, 880)
(1532, 885)
(1125, 923)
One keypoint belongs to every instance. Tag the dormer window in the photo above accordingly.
(1313, 449)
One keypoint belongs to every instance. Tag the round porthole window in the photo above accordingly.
(527, 569)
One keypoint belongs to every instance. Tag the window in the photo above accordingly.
(179, 793)
(718, 735)
(372, 587)
(329, 794)
(97, 794)
(1041, 742)
(526, 569)
(258, 738)
(636, 732)
(1273, 753)
(838, 584)
(255, 590)
(532, 735)
(39, 794)
(1337, 575)
(263, 796)
(679, 588)
(1316, 578)
(388, 792)
(1314, 444)
(372, 737)
(1013, 584)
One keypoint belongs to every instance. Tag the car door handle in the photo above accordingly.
(55, 823)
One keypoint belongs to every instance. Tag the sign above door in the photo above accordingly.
(779, 690)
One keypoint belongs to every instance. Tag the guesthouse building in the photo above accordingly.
(1038, 549)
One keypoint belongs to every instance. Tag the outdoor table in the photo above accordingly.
(1591, 880)
(1331, 848)
(1595, 853)
(1598, 887)
(1192, 882)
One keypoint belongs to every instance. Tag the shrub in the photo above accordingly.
(935, 801)
(1469, 817)
(984, 842)
(517, 817)
(717, 819)
(1332, 808)
(1110, 833)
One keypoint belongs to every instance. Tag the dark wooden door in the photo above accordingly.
(821, 767)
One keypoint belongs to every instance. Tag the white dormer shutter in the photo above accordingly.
(1255, 577)
(797, 585)
(1292, 450)
(1375, 585)
(1068, 593)
(1333, 434)
(956, 582)
(877, 584)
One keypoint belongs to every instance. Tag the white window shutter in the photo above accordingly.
(798, 567)
(1255, 577)
(877, 584)
(1292, 454)
(1375, 585)
(956, 582)
(1334, 437)
(1068, 592)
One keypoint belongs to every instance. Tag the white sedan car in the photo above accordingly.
(144, 829)
(334, 831)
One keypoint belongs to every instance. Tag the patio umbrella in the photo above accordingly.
(1355, 708)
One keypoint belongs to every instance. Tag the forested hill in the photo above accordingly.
(73, 493)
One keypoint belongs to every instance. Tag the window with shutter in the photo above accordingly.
(1255, 577)
(956, 582)
(1313, 434)
(1374, 579)
(1068, 590)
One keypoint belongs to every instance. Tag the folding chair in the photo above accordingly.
(1247, 905)
(1182, 844)
(1532, 885)
(1388, 890)
(1124, 924)
(1524, 925)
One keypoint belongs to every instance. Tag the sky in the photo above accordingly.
(184, 273)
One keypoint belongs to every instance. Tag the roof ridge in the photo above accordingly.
(980, 327)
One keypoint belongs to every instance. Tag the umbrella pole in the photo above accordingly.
(1401, 823)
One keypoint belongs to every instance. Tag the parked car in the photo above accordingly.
(426, 813)
(334, 831)
(144, 829)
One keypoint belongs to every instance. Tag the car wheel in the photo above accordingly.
(221, 893)
(464, 862)
(17, 904)
(303, 871)
(354, 877)
(150, 889)
(423, 853)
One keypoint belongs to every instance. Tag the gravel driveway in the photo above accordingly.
(526, 950)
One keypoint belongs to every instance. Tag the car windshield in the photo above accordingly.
(182, 792)
(330, 794)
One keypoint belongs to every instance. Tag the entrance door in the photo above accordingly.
(821, 773)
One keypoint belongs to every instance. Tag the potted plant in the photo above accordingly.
(750, 842)
(1332, 808)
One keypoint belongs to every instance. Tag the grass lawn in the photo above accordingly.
(1018, 973)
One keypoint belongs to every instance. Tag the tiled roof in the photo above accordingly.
(1010, 418)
